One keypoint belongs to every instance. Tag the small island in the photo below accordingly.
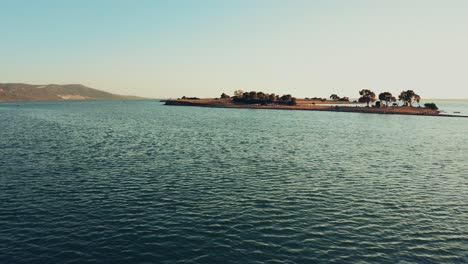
(408, 103)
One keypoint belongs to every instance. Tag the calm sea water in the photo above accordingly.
(136, 182)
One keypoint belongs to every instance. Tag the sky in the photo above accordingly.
(172, 48)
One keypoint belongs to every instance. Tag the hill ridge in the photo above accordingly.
(45, 92)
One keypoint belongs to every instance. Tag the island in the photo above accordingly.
(408, 103)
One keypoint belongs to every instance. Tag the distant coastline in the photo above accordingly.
(14, 92)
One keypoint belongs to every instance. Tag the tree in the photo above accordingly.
(292, 101)
(271, 98)
(334, 97)
(387, 98)
(367, 96)
(417, 98)
(253, 95)
(224, 96)
(238, 93)
(407, 97)
(261, 96)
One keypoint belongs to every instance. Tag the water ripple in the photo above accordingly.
(142, 183)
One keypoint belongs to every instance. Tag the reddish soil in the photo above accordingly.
(303, 104)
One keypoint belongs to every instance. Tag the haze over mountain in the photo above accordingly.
(30, 92)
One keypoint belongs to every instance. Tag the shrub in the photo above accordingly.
(431, 106)
(190, 98)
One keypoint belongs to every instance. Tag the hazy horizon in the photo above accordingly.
(167, 49)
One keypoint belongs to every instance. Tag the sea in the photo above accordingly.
(135, 181)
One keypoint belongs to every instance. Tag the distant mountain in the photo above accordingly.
(29, 92)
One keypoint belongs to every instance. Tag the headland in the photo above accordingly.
(367, 103)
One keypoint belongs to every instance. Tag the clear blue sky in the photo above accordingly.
(172, 48)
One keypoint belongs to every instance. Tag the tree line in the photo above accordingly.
(407, 97)
(335, 97)
(261, 98)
